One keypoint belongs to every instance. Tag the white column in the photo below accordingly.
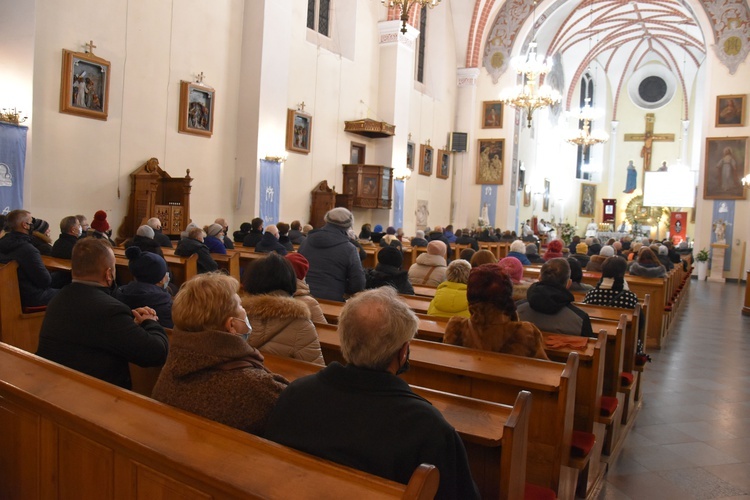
(395, 84)
(612, 150)
(684, 143)
(464, 207)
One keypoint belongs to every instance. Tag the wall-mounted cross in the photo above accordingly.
(90, 47)
(200, 77)
(648, 139)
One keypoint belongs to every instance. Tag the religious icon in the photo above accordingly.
(196, 109)
(730, 110)
(85, 84)
(492, 113)
(632, 179)
(444, 167)
(425, 160)
(490, 161)
(724, 168)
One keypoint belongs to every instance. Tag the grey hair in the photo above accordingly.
(373, 326)
(555, 271)
(458, 271)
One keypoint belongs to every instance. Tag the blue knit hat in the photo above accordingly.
(146, 267)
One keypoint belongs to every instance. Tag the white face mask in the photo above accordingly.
(79, 231)
(166, 282)
(245, 336)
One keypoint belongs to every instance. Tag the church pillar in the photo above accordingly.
(684, 142)
(612, 151)
(266, 43)
(463, 205)
(395, 86)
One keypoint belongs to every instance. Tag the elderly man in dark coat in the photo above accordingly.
(335, 267)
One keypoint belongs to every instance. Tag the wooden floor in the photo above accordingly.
(691, 439)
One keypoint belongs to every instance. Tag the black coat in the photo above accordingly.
(252, 238)
(162, 239)
(136, 294)
(270, 243)
(188, 246)
(63, 247)
(145, 243)
(101, 339)
(385, 275)
(34, 281)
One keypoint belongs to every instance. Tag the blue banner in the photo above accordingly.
(724, 212)
(270, 181)
(12, 162)
(398, 203)
(488, 204)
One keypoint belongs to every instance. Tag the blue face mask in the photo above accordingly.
(245, 336)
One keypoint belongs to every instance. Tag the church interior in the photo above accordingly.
(419, 120)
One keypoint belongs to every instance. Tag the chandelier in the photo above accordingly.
(583, 136)
(12, 116)
(405, 5)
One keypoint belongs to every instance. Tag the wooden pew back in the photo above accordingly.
(68, 435)
(16, 327)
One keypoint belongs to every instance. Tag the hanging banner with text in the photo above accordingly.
(269, 191)
(398, 203)
(12, 164)
(722, 225)
(488, 205)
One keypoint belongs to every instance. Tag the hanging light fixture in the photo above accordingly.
(405, 5)
(584, 136)
(529, 96)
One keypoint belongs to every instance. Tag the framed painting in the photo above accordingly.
(492, 114)
(84, 87)
(425, 159)
(490, 161)
(545, 196)
(196, 109)
(588, 200)
(730, 110)
(526, 195)
(410, 155)
(298, 131)
(726, 162)
(444, 164)
(357, 153)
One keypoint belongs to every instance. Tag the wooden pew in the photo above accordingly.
(229, 263)
(182, 268)
(498, 378)
(16, 327)
(425, 291)
(495, 435)
(68, 435)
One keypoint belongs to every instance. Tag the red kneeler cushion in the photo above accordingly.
(582, 443)
(609, 406)
(626, 379)
(535, 492)
(33, 309)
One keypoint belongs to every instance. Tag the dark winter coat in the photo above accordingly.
(63, 247)
(162, 239)
(145, 243)
(385, 275)
(550, 308)
(215, 245)
(252, 238)
(34, 281)
(188, 246)
(270, 243)
(137, 294)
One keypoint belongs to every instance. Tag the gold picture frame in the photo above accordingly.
(587, 207)
(490, 161)
(443, 169)
(84, 85)
(730, 110)
(492, 114)
(724, 167)
(197, 108)
(298, 131)
(425, 159)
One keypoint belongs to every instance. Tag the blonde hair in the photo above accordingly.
(458, 271)
(205, 302)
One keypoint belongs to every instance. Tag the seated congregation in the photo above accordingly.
(267, 293)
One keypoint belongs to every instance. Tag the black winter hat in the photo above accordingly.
(146, 267)
(391, 256)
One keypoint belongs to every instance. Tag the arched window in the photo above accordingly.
(583, 155)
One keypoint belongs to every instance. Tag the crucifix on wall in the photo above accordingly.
(648, 139)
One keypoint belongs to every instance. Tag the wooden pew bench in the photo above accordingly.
(495, 435)
(69, 435)
(16, 327)
(498, 378)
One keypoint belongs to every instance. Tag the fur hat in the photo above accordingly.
(299, 263)
(391, 256)
(488, 283)
(146, 267)
(582, 248)
(39, 225)
(518, 246)
(437, 247)
(340, 217)
(100, 221)
(531, 249)
(513, 267)
(146, 231)
(607, 251)
(214, 229)
(555, 246)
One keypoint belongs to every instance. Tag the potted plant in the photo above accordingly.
(702, 263)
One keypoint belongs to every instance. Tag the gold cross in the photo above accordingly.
(301, 106)
(90, 47)
(200, 77)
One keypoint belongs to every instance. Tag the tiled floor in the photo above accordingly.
(691, 438)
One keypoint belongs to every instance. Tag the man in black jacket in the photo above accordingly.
(70, 231)
(549, 304)
(256, 233)
(108, 335)
(34, 281)
(159, 237)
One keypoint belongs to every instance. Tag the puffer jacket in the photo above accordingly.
(282, 326)
(303, 295)
(550, 307)
(450, 300)
(426, 264)
(490, 329)
(637, 269)
(188, 246)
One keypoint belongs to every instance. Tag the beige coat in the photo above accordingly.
(282, 326)
(303, 295)
(489, 329)
(425, 263)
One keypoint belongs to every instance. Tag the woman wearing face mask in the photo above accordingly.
(211, 370)
(281, 324)
(149, 285)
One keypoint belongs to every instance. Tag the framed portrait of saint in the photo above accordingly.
(730, 110)
(490, 161)
(725, 166)
(444, 164)
(492, 114)
(588, 200)
(196, 109)
(545, 196)
(84, 89)
(298, 131)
